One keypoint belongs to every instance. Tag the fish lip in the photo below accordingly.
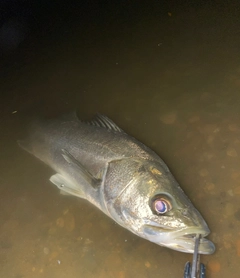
(186, 243)
(183, 240)
(192, 232)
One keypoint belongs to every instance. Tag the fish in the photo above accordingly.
(97, 161)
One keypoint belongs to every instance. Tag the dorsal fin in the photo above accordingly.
(103, 121)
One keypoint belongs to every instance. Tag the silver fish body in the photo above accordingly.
(125, 179)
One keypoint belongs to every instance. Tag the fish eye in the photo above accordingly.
(161, 205)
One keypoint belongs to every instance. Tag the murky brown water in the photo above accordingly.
(173, 82)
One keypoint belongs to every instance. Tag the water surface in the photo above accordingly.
(169, 77)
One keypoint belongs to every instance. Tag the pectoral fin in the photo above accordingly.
(83, 172)
(66, 187)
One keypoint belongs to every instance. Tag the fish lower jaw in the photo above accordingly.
(206, 247)
(186, 244)
(183, 240)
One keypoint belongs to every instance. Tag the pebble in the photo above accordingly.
(88, 241)
(53, 255)
(46, 250)
(208, 156)
(65, 211)
(209, 186)
(147, 264)
(60, 222)
(203, 172)
(231, 152)
(230, 192)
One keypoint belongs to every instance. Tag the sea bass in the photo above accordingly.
(99, 162)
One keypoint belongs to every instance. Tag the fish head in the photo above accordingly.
(154, 207)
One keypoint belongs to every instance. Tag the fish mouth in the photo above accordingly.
(186, 243)
(181, 240)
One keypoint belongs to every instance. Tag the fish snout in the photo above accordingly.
(191, 217)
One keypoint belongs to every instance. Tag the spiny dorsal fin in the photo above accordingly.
(103, 121)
